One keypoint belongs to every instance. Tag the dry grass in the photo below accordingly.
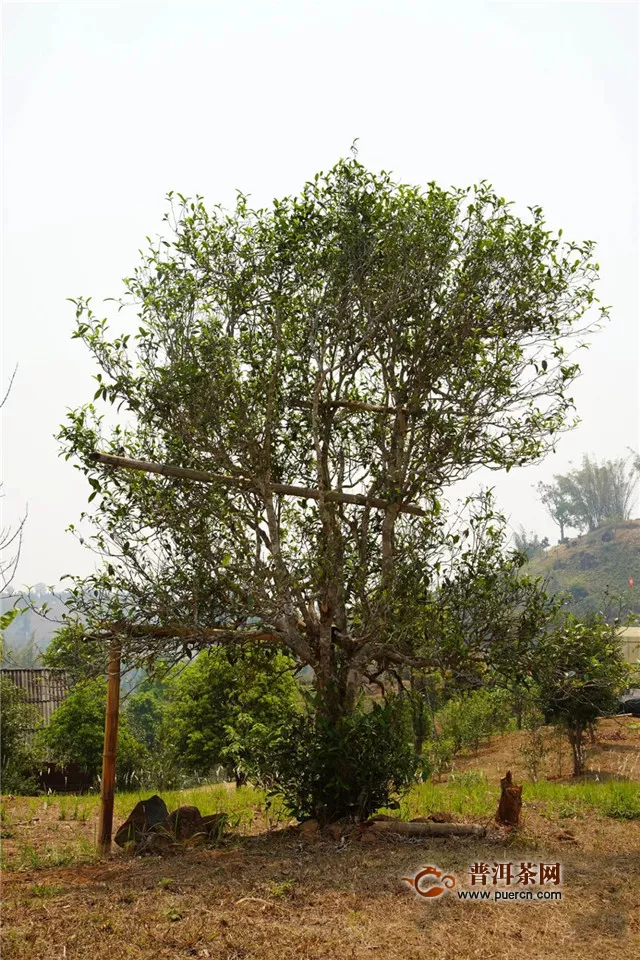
(266, 894)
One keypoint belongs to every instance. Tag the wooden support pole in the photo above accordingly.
(366, 407)
(178, 630)
(110, 749)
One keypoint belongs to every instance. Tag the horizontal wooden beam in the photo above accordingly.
(366, 407)
(284, 489)
(156, 631)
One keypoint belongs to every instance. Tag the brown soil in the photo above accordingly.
(273, 895)
(615, 755)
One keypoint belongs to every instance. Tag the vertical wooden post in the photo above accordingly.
(110, 749)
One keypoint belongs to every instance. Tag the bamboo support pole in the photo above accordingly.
(366, 407)
(176, 630)
(285, 489)
(110, 749)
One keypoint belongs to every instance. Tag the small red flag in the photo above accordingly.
(630, 581)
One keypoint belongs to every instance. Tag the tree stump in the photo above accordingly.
(510, 802)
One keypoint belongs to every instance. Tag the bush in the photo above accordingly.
(470, 720)
(228, 706)
(534, 748)
(350, 768)
(76, 733)
(578, 591)
(440, 755)
(579, 672)
(18, 721)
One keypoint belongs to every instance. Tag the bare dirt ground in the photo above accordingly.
(275, 895)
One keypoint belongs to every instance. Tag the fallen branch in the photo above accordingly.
(427, 829)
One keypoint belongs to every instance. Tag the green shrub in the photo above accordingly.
(470, 720)
(350, 768)
(440, 754)
(535, 746)
(228, 706)
(18, 721)
(579, 673)
(76, 733)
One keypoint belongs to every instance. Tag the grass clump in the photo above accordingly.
(29, 857)
(44, 890)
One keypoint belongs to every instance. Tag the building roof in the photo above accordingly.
(43, 687)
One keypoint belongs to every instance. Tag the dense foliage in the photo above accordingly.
(76, 733)
(227, 707)
(18, 722)
(328, 770)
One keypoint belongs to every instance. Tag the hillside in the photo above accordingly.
(588, 565)
(30, 634)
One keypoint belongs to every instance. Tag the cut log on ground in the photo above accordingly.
(426, 829)
(510, 802)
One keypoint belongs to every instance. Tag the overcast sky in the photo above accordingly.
(107, 106)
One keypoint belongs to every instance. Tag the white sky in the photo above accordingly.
(107, 106)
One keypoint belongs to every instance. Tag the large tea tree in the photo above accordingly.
(367, 343)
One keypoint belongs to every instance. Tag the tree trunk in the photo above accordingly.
(576, 738)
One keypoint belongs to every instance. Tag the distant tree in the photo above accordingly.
(228, 705)
(579, 672)
(592, 494)
(18, 720)
(144, 711)
(25, 656)
(76, 732)
(558, 505)
(529, 544)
